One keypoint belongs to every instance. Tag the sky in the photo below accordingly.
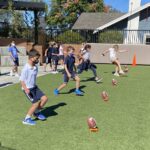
(122, 5)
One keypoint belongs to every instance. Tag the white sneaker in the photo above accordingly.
(16, 75)
(11, 73)
(116, 74)
(121, 72)
(53, 72)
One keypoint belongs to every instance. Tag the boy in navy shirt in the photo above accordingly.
(69, 65)
(31, 90)
(55, 57)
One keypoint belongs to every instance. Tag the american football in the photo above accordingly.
(105, 96)
(126, 69)
(114, 82)
(91, 123)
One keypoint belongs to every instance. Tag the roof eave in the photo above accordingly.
(121, 18)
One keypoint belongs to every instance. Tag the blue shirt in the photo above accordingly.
(14, 51)
(28, 75)
(69, 61)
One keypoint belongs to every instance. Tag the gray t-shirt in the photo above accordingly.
(28, 75)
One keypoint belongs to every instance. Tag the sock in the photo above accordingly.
(27, 116)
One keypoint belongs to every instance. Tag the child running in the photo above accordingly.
(69, 65)
(85, 63)
(31, 90)
(113, 58)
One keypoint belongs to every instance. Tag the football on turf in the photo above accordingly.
(91, 123)
(126, 69)
(114, 82)
(104, 96)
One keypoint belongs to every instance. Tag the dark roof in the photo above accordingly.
(23, 5)
(92, 21)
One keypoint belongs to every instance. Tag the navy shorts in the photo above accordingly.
(66, 78)
(16, 62)
(48, 60)
(55, 60)
(35, 94)
(61, 57)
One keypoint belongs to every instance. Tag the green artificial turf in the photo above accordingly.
(123, 121)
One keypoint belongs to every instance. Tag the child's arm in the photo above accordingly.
(25, 87)
(104, 52)
(68, 73)
(46, 52)
(19, 51)
(122, 51)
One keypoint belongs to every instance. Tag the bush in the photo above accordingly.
(70, 37)
(111, 37)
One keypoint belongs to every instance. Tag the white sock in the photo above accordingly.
(27, 117)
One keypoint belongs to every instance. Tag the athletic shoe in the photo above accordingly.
(29, 121)
(116, 74)
(16, 75)
(11, 73)
(39, 116)
(121, 72)
(78, 92)
(98, 79)
(56, 92)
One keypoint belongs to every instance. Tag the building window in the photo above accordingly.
(147, 39)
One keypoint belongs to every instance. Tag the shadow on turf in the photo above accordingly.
(5, 148)
(90, 79)
(50, 111)
(72, 90)
(5, 84)
(3, 74)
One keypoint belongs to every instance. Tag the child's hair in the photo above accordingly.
(88, 46)
(70, 48)
(116, 47)
(33, 53)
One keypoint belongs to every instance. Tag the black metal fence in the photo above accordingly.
(79, 36)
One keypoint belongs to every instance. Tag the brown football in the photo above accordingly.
(114, 82)
(91, 123)
(126, 69)
(104, 96)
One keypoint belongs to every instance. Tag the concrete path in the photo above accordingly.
(6, 79)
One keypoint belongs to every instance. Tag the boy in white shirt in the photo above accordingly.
(31, 90)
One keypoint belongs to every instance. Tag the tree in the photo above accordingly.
(64, 13)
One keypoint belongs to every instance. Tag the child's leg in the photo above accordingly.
(117, 63)
(93, 70)
(77, 91)
(43, 101)
(77, 79)
(61, 86)
(32, 109)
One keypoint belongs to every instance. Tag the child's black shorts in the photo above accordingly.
(34, 95)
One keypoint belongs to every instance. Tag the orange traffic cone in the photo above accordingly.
(134, 60)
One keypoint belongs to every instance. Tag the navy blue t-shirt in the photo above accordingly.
(69, 61)
(55, 50)
(49, 52)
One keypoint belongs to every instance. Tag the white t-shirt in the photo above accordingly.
(112, 54)
(28, 75)
(86, 56)
(61, 50)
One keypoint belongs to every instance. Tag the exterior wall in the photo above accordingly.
(144, 23)
(23, 43)
(142, 53)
